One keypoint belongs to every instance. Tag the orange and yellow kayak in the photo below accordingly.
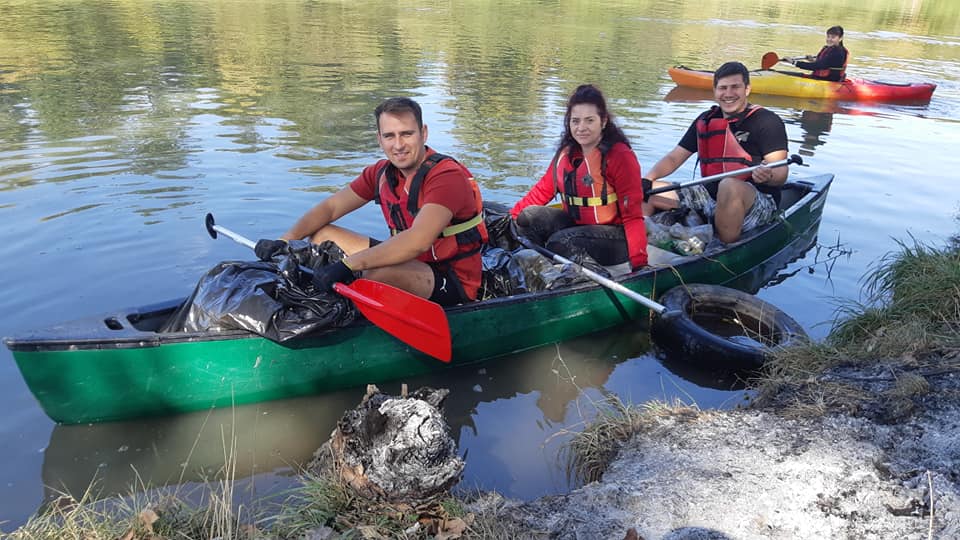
(782, 83)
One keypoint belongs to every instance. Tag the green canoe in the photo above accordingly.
(118, 366)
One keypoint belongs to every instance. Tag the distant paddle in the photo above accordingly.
(769, 60)
(416, 321)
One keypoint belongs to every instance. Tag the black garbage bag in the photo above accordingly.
(273, 299)
(688, 217)
(509, 268)
(506, 273)
(501, 227)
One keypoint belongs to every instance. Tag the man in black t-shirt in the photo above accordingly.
(730, 136)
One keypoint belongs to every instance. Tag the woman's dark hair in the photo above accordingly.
(835, 31)
(611, 134)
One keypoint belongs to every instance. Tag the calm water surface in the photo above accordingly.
(123, 122)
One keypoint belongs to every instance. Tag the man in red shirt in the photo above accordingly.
(429, 201)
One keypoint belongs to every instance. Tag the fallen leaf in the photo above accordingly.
(370, 532)
(148, 517)
(452, 528)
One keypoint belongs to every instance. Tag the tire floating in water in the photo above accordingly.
(720, 327)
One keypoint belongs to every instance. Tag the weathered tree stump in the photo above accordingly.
(394, 448)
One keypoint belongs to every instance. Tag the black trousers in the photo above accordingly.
(554, 229)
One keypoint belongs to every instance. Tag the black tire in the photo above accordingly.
(727, 313)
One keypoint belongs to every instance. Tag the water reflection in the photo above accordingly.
(537, 387)
(816, 126)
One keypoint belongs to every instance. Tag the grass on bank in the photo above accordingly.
(318, 508)
(907, 330)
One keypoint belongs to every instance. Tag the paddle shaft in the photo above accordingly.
(606, 282)
(213, 228)
(234, 236)
(792, 159)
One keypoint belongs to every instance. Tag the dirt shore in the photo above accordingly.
(889, 469)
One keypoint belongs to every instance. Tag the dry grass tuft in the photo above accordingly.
(590, 452)
(910, 385)
(67, 517)
(324, 503)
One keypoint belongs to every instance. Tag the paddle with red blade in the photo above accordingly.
(416, 321)
(770, 59)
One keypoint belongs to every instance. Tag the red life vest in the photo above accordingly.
(459, 240)
(827, 72)
(584, 191)
(717, 148)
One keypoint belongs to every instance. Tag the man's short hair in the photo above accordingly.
(399, 105)
(732, 68)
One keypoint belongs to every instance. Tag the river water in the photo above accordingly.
(123, 122)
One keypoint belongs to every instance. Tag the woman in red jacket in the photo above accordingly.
(597, 176)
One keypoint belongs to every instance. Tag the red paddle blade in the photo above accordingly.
(769, 60)
(416, 321)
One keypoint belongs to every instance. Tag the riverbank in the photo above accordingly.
(855, 437)
(762, 474)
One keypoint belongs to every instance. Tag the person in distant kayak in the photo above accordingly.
(733, 134)
(597, 176)
(830, 64)
(430, 202)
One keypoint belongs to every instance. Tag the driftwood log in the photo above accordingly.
(394, 448)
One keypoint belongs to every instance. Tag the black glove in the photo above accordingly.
(646, 185)
(266, 249)
(324, 276)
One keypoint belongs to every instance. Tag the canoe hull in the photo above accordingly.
(109, 368)
(783, 84)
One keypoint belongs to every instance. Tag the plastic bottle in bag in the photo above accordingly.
(690, 240)
(690, 246)
(658, 235)
(703, 232)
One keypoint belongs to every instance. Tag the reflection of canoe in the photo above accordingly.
(144, 453)
(788, 84)
(117, 457)
(117, 366)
